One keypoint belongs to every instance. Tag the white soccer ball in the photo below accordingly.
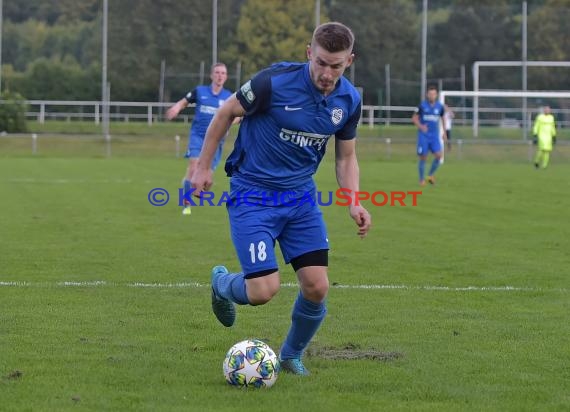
(251, 363)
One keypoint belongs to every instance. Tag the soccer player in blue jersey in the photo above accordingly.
(429, 118)
(208, 100)
(291, 110)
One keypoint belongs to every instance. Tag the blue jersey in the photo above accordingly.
(207, 104)
(431, 116)
(288, 122)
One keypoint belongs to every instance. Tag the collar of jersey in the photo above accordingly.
(317, 95)
(431, 105)
(212, 90)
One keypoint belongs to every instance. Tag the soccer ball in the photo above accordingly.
(251, 363)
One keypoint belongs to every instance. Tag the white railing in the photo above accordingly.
(151, 112)
(92, 110)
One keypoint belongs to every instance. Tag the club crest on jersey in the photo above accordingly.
(336, 115)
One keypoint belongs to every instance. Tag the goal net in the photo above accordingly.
(500, 114)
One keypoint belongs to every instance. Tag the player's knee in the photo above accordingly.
(316, 290)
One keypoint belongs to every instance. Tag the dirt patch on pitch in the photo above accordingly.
(352, 351)
(14, 375)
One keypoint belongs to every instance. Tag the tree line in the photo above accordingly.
(51, 49)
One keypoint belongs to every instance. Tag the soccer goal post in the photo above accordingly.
(539, 96)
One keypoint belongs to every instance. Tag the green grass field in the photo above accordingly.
(459, 303)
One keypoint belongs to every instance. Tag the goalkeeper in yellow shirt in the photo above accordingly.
(544, 136)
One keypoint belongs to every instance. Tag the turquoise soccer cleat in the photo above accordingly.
(224, 309)
(294, 366)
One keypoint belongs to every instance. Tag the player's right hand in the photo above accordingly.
(202, 181)
(424, 128)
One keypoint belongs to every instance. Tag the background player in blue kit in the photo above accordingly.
(291, 110)
(208, 100)
(428, 118)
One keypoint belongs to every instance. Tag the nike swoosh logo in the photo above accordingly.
(292, 109)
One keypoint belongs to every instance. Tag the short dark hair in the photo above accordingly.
(333, 37)
(432, 87)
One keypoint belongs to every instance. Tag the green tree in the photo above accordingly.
(63, 38)
(12, 113)
(55, 80)
(547, 29)
(384, 35)
(51, 11)
(33, 39)
(143, 32)
(485, 30)
(269, 31)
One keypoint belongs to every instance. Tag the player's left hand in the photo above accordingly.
(362, 219)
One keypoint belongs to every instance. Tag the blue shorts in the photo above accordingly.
(428, 144)
(255, 227)
(195, 143)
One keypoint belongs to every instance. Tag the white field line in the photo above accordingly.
(82, 284)
(179, 285)
(196, 285)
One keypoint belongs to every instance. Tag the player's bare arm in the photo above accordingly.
(173, 111)
(225, 116)
(348, 176)
(444, 135)
(417, 123)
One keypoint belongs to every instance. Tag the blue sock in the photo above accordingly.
(187, 186)
(305, 321)
(421, 168)
(434, 166)
(232, 287)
